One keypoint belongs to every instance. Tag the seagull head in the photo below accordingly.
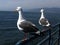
(42, 10)
(19, 9)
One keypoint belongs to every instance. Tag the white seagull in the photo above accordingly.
(43, 21)
(24, 25)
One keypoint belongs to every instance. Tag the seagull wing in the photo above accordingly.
(28, 25)
(44, 21)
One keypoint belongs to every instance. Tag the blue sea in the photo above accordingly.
(9, 33)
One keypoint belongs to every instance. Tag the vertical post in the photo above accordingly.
(59, 35)
(49, 36)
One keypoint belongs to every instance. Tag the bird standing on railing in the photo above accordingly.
(25, 26)
(43, 21)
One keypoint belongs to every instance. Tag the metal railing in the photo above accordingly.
(49, 38)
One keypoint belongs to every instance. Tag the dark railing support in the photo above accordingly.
(59, 36)
(49, 36)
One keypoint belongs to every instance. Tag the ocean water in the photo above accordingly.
(9, 34)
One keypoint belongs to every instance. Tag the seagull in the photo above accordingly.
(43, 21)
(24, 25)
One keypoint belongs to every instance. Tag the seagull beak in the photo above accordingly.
(16, 9)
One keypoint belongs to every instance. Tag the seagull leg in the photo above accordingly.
(25, 37)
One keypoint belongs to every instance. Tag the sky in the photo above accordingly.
(28, 4)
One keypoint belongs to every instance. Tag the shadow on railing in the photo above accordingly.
(51, 37)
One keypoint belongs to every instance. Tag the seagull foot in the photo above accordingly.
(24, 39)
